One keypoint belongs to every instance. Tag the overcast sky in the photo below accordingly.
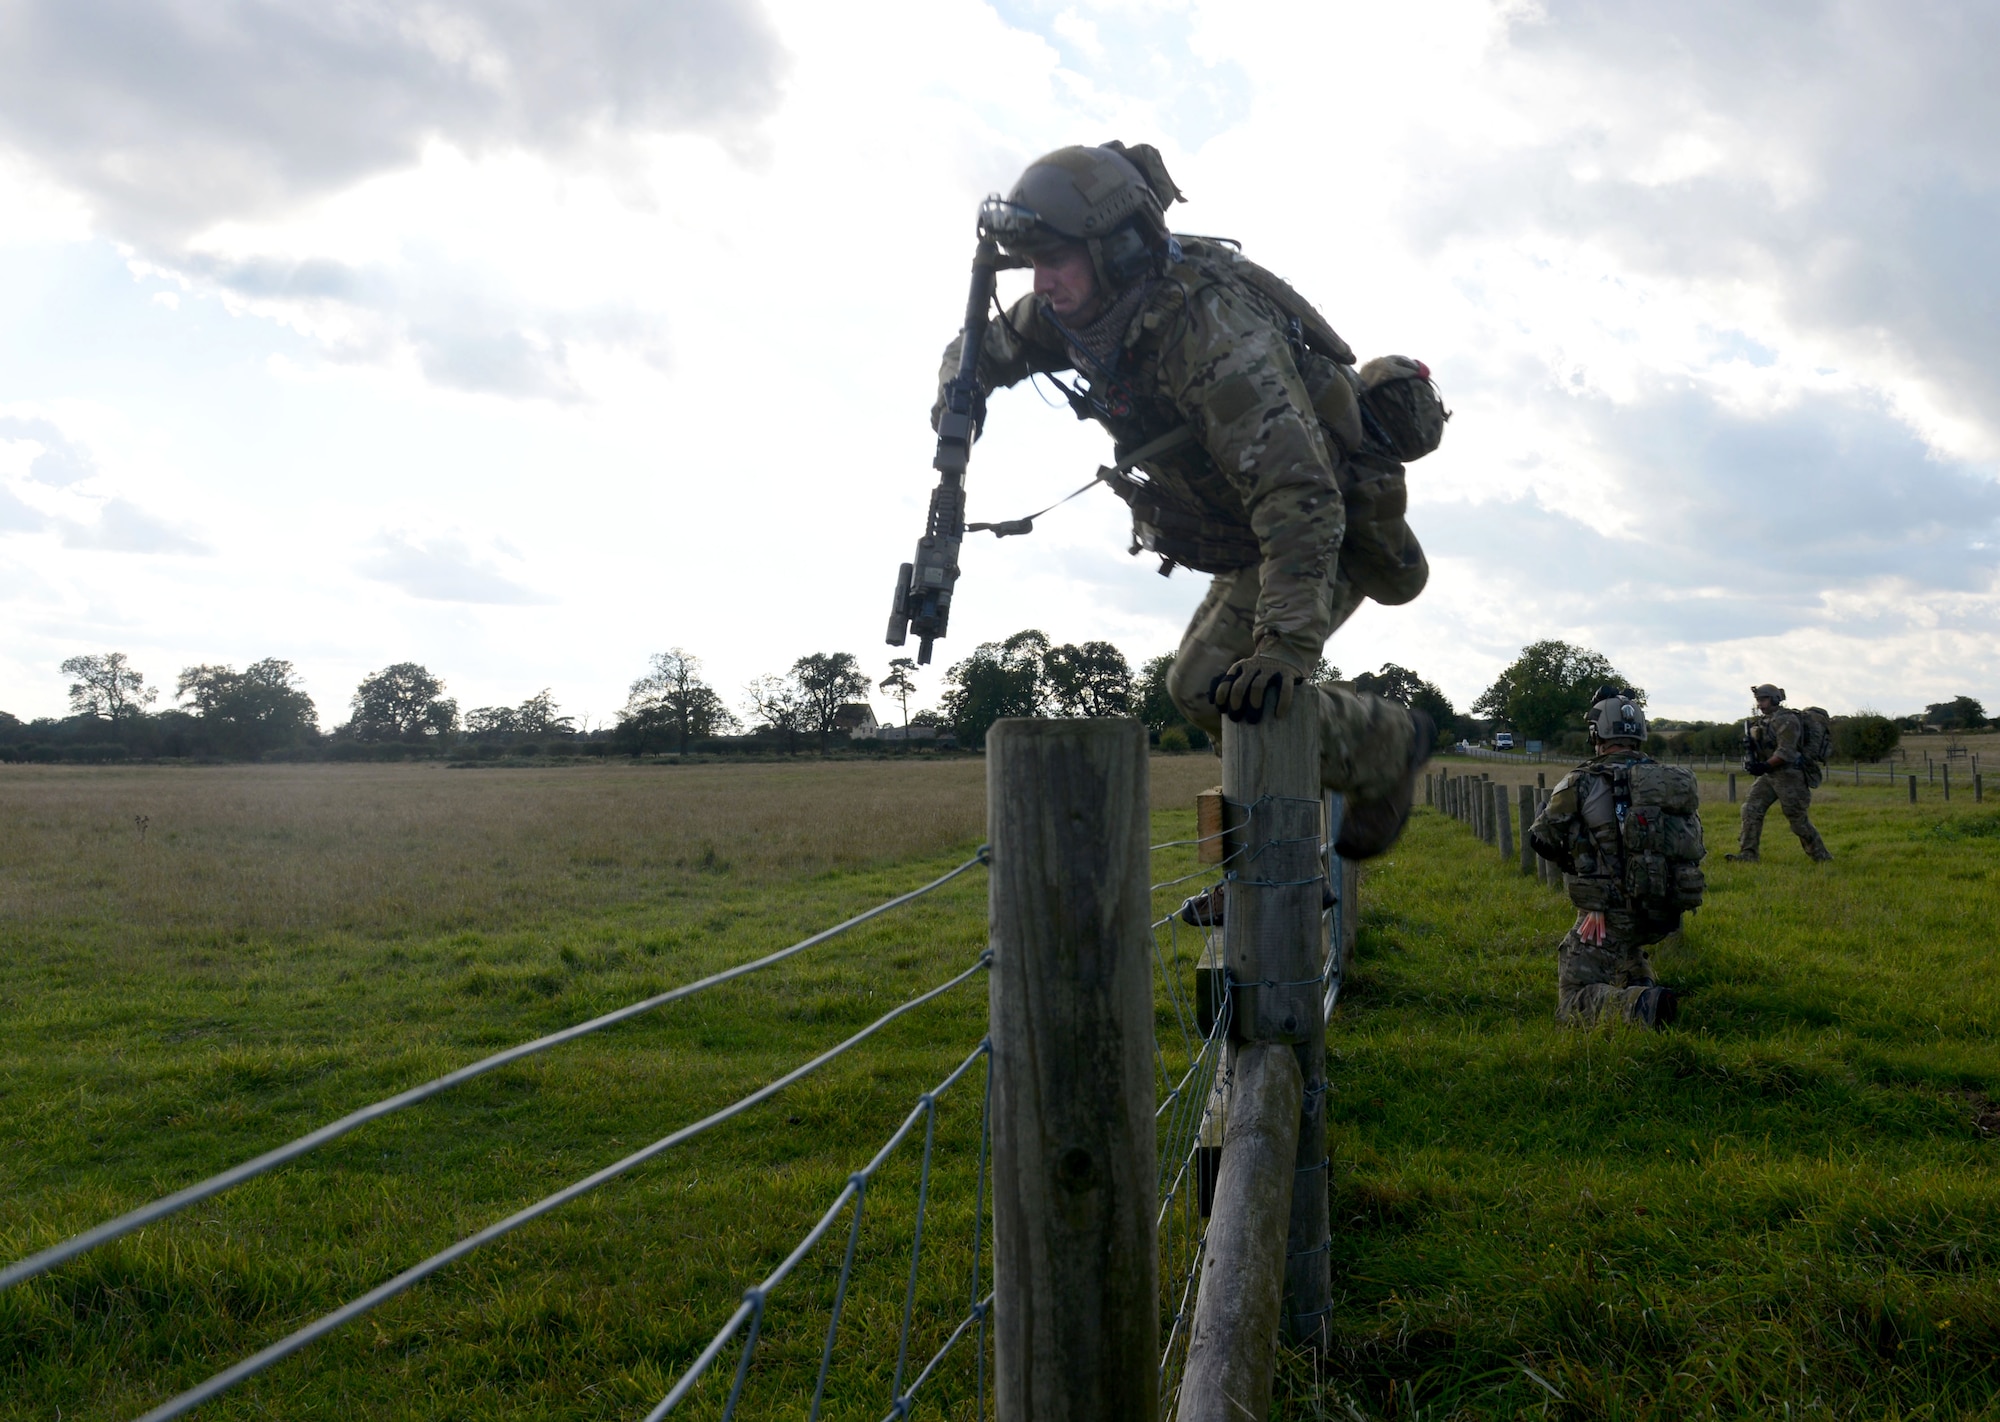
(526, 339)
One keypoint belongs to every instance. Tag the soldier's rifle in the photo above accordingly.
(922, 602)
(1754, 763)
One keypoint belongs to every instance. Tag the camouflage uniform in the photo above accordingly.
(1779, 734)
(1258, 496)
(1596, 981)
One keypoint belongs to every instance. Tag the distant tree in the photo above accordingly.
(999, 679)
(827, 681)
(775, 703)
(1154, 705)
(1324, 673)
(1866, 735)
(488, 722)
(671, 700)
(1547, 689)
(107, 687)
(1961, 713)
(1091, 680)
(537, 716)
(900, 685)
(263, 707)
(1402, 684)
(402, 702)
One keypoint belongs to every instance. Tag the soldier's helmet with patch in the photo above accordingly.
(1768, 692)
(1615, 716)
(1110, 199)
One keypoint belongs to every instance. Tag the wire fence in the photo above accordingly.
(943, 1320)
(221, 1382)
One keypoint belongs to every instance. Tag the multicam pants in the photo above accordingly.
(1600, 981)
(1364, 740)
(1788, 787)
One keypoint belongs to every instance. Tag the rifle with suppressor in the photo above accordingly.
(922, 603)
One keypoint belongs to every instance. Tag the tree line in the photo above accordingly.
(264, 710)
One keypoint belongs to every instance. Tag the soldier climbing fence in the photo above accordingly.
(1124, 1250)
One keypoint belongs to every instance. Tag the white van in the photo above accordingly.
(1503, 740)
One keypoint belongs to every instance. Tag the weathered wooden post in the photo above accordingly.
(1913, 789)
(1732, 787)
(1547, 870)
(1503, 822)
(1528, 855)
(1075, 1258)
(1978, 787)
(1268, 1265)
(1947, 780)
(1231, 1349)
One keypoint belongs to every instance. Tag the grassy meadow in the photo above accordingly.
(1783, 1206)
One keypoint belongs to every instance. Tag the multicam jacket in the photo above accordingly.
(1779, 734)
(1261, 482)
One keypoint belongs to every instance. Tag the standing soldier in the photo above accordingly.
(1777, 753)
(1626, 832)
(1262, 456)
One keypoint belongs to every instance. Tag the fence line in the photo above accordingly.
(751, 1311)
(381, 1293)
(1192, 1051)
(124, 1224)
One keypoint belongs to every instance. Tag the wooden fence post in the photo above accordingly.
(1947, 781)
(1528, 855)
(1273, 942)
(1075, 1258)
(1732, 787)
(1231, 1347)
(1978, 787)
(1913, 789)
(1503, 822)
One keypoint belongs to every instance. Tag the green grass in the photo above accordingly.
(1784, 1205)
(285, 944)
(1785, 1202)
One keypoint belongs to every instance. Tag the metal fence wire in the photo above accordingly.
(947, 1290)
(926, 1111)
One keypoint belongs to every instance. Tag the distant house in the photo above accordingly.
(857, 718)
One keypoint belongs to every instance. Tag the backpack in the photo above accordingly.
(1659, 826)
(1815, 735)
(1391, 401)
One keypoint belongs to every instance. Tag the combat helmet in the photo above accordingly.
(1615, 716)
(1111, 199)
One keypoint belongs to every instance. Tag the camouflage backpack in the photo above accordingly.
(1815, 735)
(1659, 824)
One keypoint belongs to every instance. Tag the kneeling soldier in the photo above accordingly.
(1626, 832)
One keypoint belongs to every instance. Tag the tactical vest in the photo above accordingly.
(1171, 519)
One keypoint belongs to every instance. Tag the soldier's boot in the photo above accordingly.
(1369, 827)
(1208, 908)
(1657, 1006)
(1204, 910)
(1742, 856)
(1818, 852)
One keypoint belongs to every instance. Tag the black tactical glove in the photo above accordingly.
(1240, 692)
(1754, 766)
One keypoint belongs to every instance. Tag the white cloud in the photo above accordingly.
(443, 570)
(124, 527)
(1718, 335)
